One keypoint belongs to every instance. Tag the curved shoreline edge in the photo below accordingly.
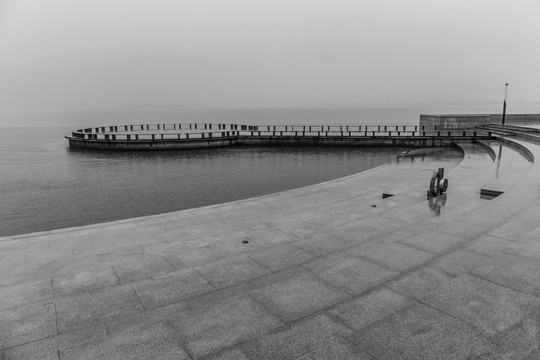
(322, 272)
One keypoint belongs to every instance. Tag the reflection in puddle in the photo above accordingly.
(437, 203)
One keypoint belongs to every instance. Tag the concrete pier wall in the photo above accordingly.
(460, 121)
(193, 136)
(408, 141)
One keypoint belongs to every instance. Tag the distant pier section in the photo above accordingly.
(433, 130)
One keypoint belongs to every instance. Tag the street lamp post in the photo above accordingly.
(504, 104)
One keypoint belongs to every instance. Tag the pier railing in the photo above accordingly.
(192, 131)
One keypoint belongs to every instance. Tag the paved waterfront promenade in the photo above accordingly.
(331, 271)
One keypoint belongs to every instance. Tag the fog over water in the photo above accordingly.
(103, 54)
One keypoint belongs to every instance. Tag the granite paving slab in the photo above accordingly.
(157, 341)
(142, 267)
(515, 272)
(183, 256)
(489, 245)
(79, 281)
(434, 242)
(393, 255)
(88, 309)
(281, 257)
(490, 307)
(352, 274)
(297, 297)
(216, 326)
(419, 282)
(421, 332)
(22, 294)
(231, 271)
(171, 288)
(364, 310)
(322, 244)
(520, 340)
(459, 262)
(27, 323)
(48, 348)
(308, 337)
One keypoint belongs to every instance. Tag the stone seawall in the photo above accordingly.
(458, 121)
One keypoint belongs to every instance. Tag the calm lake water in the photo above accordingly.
(46, 186)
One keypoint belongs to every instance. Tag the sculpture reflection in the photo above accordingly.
(436, 203)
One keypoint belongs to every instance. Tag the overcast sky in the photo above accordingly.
(69, 54)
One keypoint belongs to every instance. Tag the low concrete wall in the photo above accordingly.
(406, 141)
(459, 121)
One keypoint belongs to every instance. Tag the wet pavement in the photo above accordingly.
(330, 271)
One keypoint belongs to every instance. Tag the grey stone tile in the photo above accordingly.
(270, 237)
(26, 323)
(323, 244)
(145, 318)
(232, 246)
(228, 354)
(352, 274)
(171, 288)
(530, 249)
(15, 273)
(156, 341)
(308, 337)
(48, 348)
(434, 242)
(517, 227)
(231, 271)
(419, 282)
(459, 262)
(397, 235)
(278, 276)
(142, 267)
(420, 332)
(281, 257)
(488, 306)
(520, 340)
(182, 256)
(354, 233)
(216, 326)
(22, 294)
(512, 271)
(366, 309)
(460, 229)
(75, 282)
(489, 245)
(297, 297)
(337, 350)
(394, 256)
(87, 309)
